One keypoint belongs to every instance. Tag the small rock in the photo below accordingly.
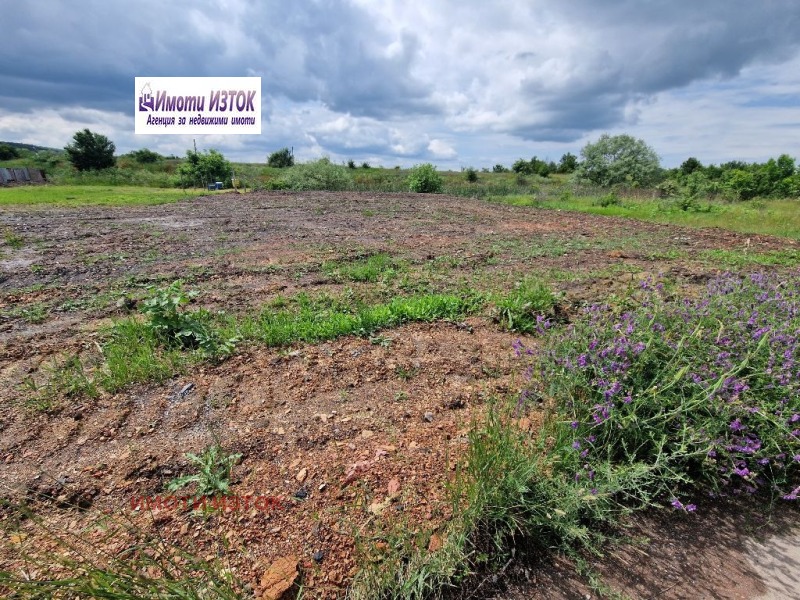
(185, 390)
(367, 433)
(301, 494)
(428, 417)
(318, 556)
(301, 475)
(279, 577)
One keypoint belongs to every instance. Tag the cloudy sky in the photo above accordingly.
(399, 82)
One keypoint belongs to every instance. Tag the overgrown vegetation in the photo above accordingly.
(659, 403)
(318, 175)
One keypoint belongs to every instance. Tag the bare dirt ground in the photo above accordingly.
(354, 437)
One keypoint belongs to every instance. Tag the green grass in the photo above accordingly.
(369, 269)
(771, 217)
(742, 258)
(88, 195)
(134, 352)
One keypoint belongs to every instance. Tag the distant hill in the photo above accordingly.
(31, 147)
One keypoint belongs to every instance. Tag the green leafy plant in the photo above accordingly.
(470, 174)
(213, 472)
(526, 306)
(177, 327)
(423, 179)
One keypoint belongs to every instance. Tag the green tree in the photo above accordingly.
(281, 158)
(205, 167)
(568, 163)
(145, 156)
(8, 152)
(91, 151)
(619, 160)
(690, 165)
(522, 166)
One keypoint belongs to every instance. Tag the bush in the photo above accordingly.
(205, 167)
(675, 399)
(318, 175)
(91, 151)
(499, 169)
(471, 175)
(145, 156)
(351, 164)
(610, 199)
(423, 179)
(281, 159)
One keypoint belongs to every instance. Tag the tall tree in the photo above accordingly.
(91, 151)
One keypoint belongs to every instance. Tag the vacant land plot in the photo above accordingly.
(357, 435)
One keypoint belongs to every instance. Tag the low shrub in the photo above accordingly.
(318, 175)
(677, 399)
(423, 179)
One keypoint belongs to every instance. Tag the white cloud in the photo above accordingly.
(440, 149)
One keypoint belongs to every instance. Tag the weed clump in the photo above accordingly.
(186, 329)
(526, 307)
(213, 472)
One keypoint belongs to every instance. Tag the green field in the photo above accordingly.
(769, 217)
(87, 195)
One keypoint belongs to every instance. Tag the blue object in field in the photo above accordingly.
(219, 185)
(211, 186)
